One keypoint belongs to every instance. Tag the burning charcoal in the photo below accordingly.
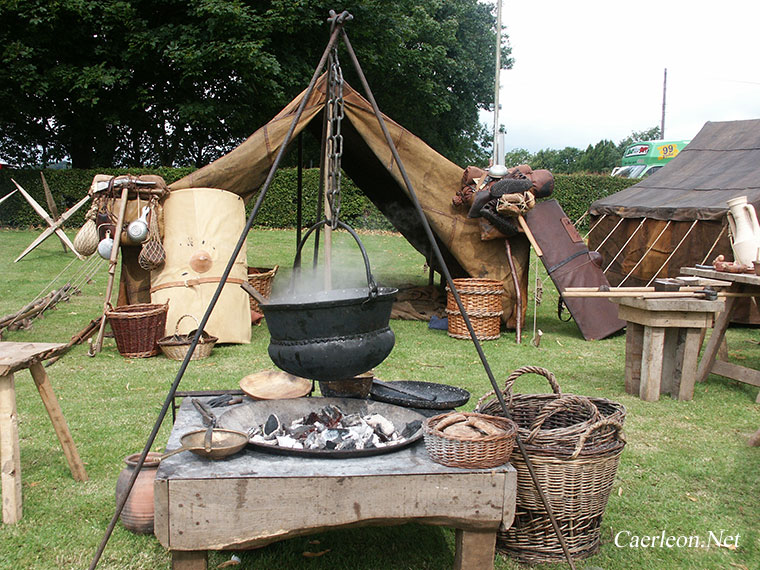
(313, 441)
(352, 420)
(255, 430)
(300, 432)
(287, 441)
(258, 438)
(381, 424)
(311, 419)
(411, 428)
(331, 416)
(272, 425)
(347, 445)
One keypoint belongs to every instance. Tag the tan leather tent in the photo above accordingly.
(368, 161)
(677, 216)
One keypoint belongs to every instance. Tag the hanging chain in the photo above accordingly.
(335, 140)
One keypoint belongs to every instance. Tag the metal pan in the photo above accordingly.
(224, 442)
(250, 413)
(438, 396)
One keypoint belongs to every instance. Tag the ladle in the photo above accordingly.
(228, 442)
(253, 292)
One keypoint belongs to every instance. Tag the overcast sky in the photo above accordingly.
(593, 69)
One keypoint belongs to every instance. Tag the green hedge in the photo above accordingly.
(575, 192)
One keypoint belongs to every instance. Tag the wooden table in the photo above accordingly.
(740, 283)
(662, 342)
(252, 499)
(15, 356)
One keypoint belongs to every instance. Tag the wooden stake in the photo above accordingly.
(98, 345)
(529, 234)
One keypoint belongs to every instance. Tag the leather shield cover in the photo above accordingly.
(569, 263)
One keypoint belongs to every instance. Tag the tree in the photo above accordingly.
(141, 82)
(651, 134)
(601, 157)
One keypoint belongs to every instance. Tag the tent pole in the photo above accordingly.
(321, 192)
(299, 190)
(715, 243)
(445, 272)
(594, 226)
(610, 234)
(672, 253)
(645, 254)
(223, 279)
(625, 244)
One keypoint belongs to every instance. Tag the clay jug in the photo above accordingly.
(137, 514)
(744, 230)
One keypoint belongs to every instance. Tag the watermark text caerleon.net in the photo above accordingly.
(720, 539)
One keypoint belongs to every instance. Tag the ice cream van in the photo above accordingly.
(643, 158)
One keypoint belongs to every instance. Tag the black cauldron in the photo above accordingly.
(331, 335)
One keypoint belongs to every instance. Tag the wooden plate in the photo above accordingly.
(274, 385)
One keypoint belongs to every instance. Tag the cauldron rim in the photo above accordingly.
(332, 298)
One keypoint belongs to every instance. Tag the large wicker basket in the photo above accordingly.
(137, 328)
(472, 453)
(261, 279)
(176, 346)
(481, 299)
(577, 485)
(554, 420)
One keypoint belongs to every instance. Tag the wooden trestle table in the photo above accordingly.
(15, 356)
(253, 498)
(740, 283)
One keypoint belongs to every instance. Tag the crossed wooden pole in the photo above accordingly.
(54, 222)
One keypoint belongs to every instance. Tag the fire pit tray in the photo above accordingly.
(446, 397)
(244, 416)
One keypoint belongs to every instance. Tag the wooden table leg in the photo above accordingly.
(691, 345)
(634, 337)
(718, 334)
(651, 363)
(189, 559)
(475, 550)
(45, 388)
(10, 454)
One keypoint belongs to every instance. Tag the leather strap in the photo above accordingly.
(554, 268)
(194, 282)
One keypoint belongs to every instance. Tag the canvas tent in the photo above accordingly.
(369, 162)
(677, 216)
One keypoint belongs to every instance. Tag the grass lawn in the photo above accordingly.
(686, 470)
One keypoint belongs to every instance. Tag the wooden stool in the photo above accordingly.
(662, 342)
(15, 356)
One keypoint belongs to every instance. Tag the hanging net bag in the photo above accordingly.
(153, 254)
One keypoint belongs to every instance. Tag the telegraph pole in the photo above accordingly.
(664, 89)
(497, 150)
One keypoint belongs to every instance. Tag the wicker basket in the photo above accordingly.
(261, 279)
(553, 420)
(481, 299)
(137, 328)
(177, 345)
(472, 453)
(577, 486)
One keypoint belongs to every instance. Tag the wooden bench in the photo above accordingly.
(15, 356)
(662, 342)
(253, 498)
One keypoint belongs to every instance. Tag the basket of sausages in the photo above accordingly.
(470, 440)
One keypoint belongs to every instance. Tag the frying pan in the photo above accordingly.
(224, 442)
